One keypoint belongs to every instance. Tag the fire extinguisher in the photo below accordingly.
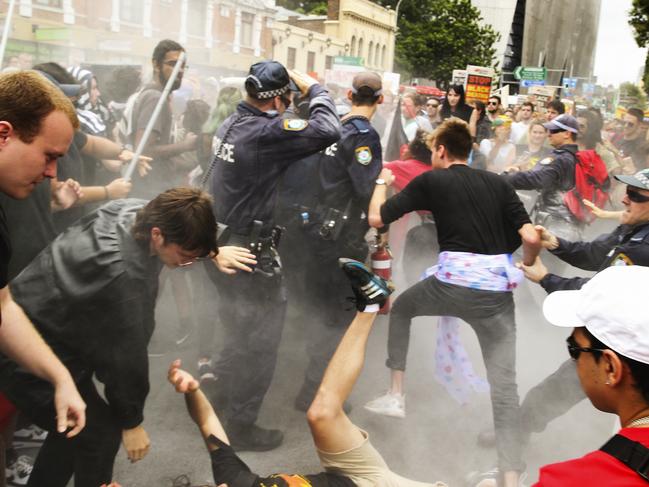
(382, 266)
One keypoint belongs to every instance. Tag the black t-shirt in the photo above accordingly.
(5, 250)
(474, 210)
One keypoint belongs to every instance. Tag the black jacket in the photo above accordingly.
(624, 246)
(553, 176)
(91, 294)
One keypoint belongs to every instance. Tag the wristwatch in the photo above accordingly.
(381, 181)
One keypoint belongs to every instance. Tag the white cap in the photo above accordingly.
(613, 306)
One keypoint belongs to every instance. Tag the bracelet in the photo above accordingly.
(106, 193)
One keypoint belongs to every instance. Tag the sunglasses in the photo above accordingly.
(635, 195)
(555, 131)
(574, 350)
(432, 105)
(494, 103)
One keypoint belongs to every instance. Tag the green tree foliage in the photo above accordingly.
(313, 7)
(437, 36)
(639, 20)
(632, 96)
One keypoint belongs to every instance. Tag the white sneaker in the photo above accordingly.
(31, 433)
(393, 405)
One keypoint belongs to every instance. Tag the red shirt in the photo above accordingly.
(406, 171)
(595, 469)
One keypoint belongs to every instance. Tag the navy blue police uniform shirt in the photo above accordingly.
(349, 167)
(257, 150)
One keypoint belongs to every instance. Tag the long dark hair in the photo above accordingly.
(446, 111)
(480, 106)
(593, 135)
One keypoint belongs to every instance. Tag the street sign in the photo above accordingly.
(530, 73)
(348, 60)
(569, 82)
(526, 83)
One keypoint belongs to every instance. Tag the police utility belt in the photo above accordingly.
(329, 222)
(264, 248)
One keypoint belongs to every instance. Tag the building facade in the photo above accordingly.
(227, 35)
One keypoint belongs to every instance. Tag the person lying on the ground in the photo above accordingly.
(345, 452)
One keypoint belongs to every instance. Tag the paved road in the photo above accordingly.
(436, 441)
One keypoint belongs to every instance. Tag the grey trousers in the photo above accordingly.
(491, 315)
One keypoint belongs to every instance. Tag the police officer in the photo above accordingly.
(254, 146)
(628, 244)
(337, 226)
(553, 177)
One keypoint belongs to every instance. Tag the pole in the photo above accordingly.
(5, 31)
(147, 131)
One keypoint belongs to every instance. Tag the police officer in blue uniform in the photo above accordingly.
(253, 148)
(628, 244)
(337, 226)
(553, 176)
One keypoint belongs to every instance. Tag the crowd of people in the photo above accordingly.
(271, 198)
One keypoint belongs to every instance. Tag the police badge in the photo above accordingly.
(363, 155)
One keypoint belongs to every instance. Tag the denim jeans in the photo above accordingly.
(491, 315)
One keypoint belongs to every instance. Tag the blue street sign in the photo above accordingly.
(526, 83)
(569, 82)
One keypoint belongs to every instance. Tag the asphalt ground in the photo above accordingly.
(437, 439)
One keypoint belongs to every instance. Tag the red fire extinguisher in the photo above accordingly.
(382, 266)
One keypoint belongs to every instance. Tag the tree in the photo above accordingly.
(632, 96)
(639, 20)
(437, 36)
(314, 7)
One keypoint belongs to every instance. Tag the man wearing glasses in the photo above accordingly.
(159, 145)
(554, 176)
(631, 143)
(609, 346)
(91, 295)
(494, 108)
(627, 245)
(432, 109)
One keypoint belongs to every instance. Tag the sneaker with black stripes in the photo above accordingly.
(368, 287)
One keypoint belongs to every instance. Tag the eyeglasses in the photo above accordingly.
(173, 64)
(574, 350)
(635, 195)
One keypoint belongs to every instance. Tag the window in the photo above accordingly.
(329, 62)
(49, 3)
(225, 11)
(360, 48)
(246, 28)
(370, 54)
(131, 11)
(290, 61)
(377, 54)
(352, 51)
(310, 62)
(196, 12)
(383, 58)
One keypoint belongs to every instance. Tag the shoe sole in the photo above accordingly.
(375, 282)
(384, 412)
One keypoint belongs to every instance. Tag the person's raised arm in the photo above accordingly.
(198, 407)
(20, 341)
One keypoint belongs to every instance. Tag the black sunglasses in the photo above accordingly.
(635, 195)
(494, 103)
(574, 350)
(556, 131)
(432, 105)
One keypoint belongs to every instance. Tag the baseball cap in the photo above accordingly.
(268, 79)
(368, 79)
(563, 122)
(612, 306)
(501, 120)
(638, 180)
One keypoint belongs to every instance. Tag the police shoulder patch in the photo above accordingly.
(546, 161)
(295, 124)
(364, 155)
(622, 260)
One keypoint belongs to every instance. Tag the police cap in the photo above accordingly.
(268, 79)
